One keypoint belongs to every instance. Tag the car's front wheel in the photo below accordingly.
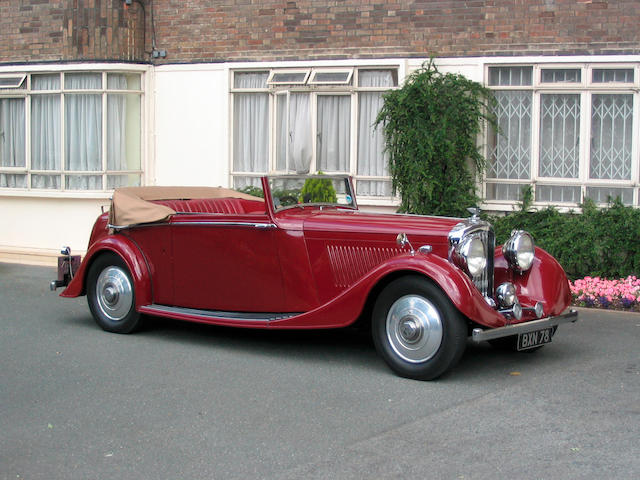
(111, 295)
(416, 329)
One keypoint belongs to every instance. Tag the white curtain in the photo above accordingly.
(83, 131)
(12, 140)
(116, 130)
(334, 133)
(300, 149)
(45, 131)
(372, 160)
(250, 124)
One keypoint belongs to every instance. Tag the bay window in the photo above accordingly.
(71, 131)
(569, 131)
(309, 120)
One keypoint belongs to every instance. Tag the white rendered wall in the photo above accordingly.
(32, 229)
(191, 125)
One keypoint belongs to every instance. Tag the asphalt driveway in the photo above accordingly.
(181, 400)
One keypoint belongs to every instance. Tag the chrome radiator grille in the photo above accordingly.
(484, 281)
(483, 230)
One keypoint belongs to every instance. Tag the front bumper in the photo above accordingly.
(479, 335)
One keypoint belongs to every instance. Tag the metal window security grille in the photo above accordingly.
(511, 156)
(611, 137)
(559, 135)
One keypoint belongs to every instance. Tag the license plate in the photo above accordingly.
(534, 339)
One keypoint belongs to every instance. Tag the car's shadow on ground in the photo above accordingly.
(351, 345)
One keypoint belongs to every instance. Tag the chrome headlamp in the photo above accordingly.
(519, 250)
(470, 255)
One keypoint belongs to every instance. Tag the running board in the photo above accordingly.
(193, 313)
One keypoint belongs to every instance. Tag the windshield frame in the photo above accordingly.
(347, 179)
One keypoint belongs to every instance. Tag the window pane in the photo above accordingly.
(372, 159)
(83, 132)
(334, 133)
(603, 194)
(558, 194)
(123, 132)
(45, 181)
(12, 82)
(611, 136)
(83, 81)
(250, 79)
(510, 147)
(13, 181)
(612, 75)
(45, 133)
(84, 182)
(289, 77)
(504, 191)
(281, 132)
(12, 132)
(377, 78)
(561, 75)
(117, 181)
(300, 146)
(123, 81)
(45, 82)
(559, 135)
(339, 77)
(250, 132)
(242, 182)
(510, 76)
(374, 188)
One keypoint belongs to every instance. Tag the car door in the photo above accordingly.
(225, 262)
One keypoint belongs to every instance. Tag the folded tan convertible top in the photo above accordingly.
(132, 205)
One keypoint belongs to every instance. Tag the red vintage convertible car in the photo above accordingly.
(305, 257)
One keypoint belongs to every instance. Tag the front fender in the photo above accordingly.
(347, 307)
(126, 249)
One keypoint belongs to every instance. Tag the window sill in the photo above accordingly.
(23, 193)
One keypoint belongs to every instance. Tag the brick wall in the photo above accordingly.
(68, 30)
(196, 30)
(223, 30)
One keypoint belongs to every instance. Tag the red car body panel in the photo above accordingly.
(319, 267)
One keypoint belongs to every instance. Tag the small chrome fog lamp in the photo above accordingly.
(519, 250)
(506, 295)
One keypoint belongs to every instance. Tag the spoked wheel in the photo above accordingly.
(417, 330)
(111, 295)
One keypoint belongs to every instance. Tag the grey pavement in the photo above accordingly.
(181, 400)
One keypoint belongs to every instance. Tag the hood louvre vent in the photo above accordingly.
(350, 263)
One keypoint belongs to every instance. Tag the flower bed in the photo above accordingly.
(596, 292)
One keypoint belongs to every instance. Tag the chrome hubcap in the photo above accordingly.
(414, 328)
(114, 293)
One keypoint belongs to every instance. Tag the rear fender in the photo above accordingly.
(132, 256)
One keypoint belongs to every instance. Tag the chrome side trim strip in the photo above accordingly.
(479, 335)
(213, 314)
(227, 224)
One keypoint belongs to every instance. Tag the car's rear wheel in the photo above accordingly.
(111, 295)
(416, 329)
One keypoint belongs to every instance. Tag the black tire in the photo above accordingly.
(111, 294)
(417, 330)
(511, 343)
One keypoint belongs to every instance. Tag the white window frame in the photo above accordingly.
(586, 88)
(314, 90)
(28, 93)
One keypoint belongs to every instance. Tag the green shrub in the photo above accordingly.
(601, 242)
(431, 127)
(318, 190)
